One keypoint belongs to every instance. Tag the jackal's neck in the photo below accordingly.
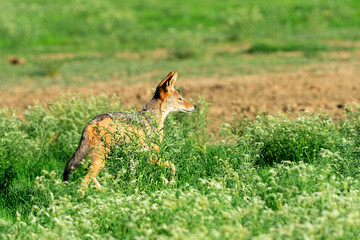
(155, 109)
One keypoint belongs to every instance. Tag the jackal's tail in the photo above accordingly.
(80, 153)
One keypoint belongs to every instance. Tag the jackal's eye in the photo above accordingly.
(180, 98)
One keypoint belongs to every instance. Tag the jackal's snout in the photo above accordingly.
(188, 107)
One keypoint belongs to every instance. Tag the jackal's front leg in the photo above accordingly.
(98, 156)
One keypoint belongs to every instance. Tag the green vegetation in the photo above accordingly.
(291, 47)
(82, 69)
(272, 177)
(186, 27)
(275, 176)
(74, 42)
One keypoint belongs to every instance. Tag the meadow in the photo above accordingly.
(274, 176)
(72, 43)
(186, 28)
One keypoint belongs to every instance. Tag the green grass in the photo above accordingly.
(275, 176)
(87, 35)
(109, 25)
(314, 48)
(81, 69)
(271, 177)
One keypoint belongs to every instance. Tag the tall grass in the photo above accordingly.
(280, 137)
(274, 177)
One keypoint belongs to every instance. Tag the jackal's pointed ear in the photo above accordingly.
(168, 82)
(166, 86)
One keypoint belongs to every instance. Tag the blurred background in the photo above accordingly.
(263, 55)
(43, 26)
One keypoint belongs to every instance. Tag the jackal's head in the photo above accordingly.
(171, 100)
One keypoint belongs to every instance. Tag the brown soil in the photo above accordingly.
(305, 90)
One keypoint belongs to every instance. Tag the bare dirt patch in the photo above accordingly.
(321, 86)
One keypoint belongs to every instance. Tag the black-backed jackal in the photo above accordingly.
(106, 130)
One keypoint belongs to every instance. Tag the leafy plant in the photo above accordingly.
(6, 179)
(280, 138)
